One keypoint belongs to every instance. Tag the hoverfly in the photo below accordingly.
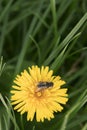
(43, 85)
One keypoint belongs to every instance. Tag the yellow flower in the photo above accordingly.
(39, 93)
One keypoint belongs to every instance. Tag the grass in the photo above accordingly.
(49, 33)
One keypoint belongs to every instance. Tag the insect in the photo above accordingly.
(43, 85)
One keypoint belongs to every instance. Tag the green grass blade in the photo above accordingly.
(5, 11)
(56, 64)
(53, 8)
(80, 102)
(8, 110)
(73, 31)
(84, 127)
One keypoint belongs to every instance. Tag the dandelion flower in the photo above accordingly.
(38, 93)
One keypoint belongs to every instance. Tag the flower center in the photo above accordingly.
(38, 94)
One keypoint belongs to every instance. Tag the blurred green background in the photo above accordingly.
(44, 32)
